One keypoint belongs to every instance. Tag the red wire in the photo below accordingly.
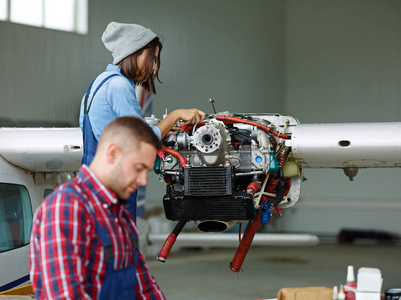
(176, 154)
(261, 126)
(189, 127)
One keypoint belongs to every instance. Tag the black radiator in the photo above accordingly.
(209, 195)
(238, 206)
(209, 181)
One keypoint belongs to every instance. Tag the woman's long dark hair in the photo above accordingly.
(129, 66)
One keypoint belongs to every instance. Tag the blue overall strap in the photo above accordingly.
(89, 140)
(87, 108)
(118, 283)
(87, 95)
(108, 246)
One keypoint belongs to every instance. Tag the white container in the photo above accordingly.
(369, 280)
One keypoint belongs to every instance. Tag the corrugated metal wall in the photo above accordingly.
(343, 65)
(228, 50)
(41, 77)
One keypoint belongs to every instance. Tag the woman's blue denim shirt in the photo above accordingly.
(116, 98)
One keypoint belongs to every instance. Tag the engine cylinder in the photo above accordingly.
(211, 142)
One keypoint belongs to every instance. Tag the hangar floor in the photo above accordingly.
(204, 273)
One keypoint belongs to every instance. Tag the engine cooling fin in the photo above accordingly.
(211, 181)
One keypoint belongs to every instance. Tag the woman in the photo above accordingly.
(136, 61)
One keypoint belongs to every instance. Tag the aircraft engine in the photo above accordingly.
(215, 170)
(234, 168)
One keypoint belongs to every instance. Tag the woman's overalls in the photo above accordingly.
(90, 142)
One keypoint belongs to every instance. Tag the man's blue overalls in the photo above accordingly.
(90, 142)
(120, 283)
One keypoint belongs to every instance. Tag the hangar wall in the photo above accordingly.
(343, 64)
(228, 50)
(321, 61)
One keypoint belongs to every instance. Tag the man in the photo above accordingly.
(84, 244)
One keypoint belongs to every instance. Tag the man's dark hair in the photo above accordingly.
(129, 132)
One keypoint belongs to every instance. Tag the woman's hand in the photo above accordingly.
(190, 116)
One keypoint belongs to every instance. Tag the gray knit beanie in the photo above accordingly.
(124, 39)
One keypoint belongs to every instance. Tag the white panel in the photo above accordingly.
(59, 14)
(3, 9)
(82, 16)
(27, 12)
